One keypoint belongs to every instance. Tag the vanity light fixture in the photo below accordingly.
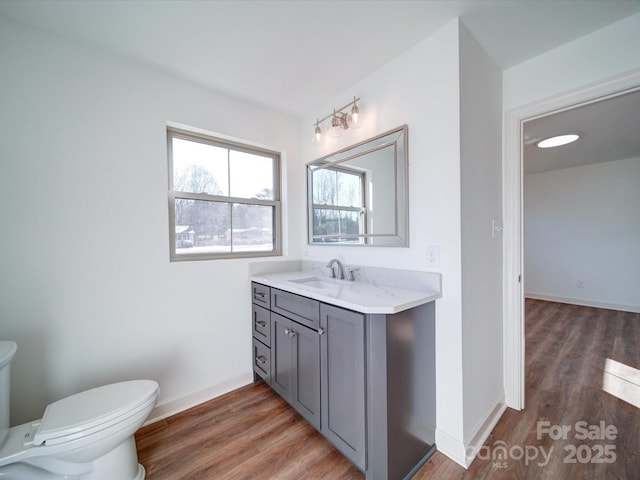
(557, 141)
(340, 120)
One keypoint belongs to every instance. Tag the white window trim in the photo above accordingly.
(221, 141)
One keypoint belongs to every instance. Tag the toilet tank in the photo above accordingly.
(7, 351)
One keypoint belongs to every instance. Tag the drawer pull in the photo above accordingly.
(261, 323)
(261, 359)
(259, 294)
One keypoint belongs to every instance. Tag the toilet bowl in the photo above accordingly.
(87, 436)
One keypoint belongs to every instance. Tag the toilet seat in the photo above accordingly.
(93, 410)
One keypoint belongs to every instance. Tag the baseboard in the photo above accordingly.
(176, 405)
(583, 302)
(451, 447)
(482, 431)
(464, 453)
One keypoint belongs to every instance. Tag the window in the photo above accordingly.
(338, 204)
(224, 198)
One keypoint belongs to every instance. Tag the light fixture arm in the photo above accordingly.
(339, 121)
(338, 111)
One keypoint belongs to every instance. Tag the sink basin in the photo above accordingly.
(315, 282)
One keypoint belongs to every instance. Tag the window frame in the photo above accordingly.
(276, 203)
(362, 211)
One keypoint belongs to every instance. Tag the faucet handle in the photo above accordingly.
(333, 273)
(351, 277)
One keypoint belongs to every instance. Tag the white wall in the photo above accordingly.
(86, 287)
(583, 224)
(481, 190)
(422, 88)
(610, 51)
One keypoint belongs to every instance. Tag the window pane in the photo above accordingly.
(335, 222)
(349, 223)
(324, 187)
(252, 228)
(202, 226)
(335, 187)
(251, 175)
(199, 168)
(349, 190)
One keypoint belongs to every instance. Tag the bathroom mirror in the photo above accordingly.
(359, 195)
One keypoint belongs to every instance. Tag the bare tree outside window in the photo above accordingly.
(338, 203)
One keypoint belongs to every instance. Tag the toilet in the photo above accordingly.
(87, 436)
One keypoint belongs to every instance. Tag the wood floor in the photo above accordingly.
(251, 433)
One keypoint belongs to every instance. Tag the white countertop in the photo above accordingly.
(359, 296)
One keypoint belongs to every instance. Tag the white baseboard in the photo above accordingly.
(451, 447)
(464, 453)
(176, 405)
(480, 434)
(583, 302)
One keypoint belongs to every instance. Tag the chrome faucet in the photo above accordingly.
(340, 275)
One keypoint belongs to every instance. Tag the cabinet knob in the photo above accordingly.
(321, 331)
(289, 332)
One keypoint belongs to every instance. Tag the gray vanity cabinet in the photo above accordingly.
(365, 381)
(343, 381)
(295, 366)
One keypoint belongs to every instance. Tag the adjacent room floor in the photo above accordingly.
(571, 427)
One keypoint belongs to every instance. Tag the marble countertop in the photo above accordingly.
(360, 296)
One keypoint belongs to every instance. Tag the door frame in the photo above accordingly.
(513, 216)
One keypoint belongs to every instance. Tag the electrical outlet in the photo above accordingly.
(433, 256)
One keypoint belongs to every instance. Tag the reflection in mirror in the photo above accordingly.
(359, 195)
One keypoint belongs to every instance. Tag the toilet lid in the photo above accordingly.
(92, 408)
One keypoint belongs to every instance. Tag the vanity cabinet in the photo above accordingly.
(365, 381)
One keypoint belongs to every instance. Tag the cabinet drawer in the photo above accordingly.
(261, 324)
(260, 295)
(262, 360)
(301, 309)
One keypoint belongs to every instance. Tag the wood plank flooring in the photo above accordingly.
(251, 433)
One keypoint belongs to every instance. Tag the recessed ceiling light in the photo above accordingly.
(557, 141)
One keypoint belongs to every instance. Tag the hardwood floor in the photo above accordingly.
(251, 433)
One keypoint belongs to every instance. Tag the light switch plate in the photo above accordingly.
(496, 228)
(433, 256)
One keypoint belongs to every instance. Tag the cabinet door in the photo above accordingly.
(306, 371)
(295, 366)
(343, 381)
(281, 356)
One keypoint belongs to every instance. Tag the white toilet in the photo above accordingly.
(87, 436)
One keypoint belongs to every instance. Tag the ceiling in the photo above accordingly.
(293, 55)
(609, 130)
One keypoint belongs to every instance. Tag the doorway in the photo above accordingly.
(513, 253)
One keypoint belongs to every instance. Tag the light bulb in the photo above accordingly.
(317, 135)
(355, 119)
(336, 128)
